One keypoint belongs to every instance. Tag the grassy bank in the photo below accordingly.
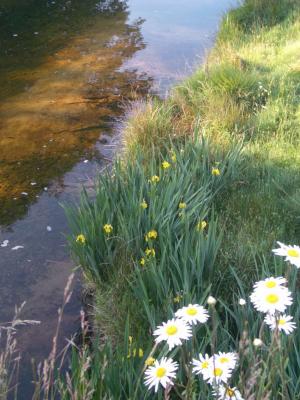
(209, 181)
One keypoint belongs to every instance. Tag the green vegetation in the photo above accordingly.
(209, 181)
(239, 116)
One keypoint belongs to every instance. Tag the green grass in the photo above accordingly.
(248, 90)
(240, 113)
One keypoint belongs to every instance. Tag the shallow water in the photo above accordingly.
(67, 67)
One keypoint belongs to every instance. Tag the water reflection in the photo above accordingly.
(57, 105)
(66, 69)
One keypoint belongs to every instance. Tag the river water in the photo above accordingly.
(67, 68)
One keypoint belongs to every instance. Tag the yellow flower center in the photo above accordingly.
(204, 365)
(272, 298)
(229, 392)
(191, 311)
(270, 284)
(161, 372)
(224, 360)
(282, 321)
(293, 253)
(172, 330)
(218, 372)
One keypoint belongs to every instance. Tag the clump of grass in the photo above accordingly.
(170, 194)
(149, 125)
(9, 354)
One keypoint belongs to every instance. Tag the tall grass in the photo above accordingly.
(247, 92)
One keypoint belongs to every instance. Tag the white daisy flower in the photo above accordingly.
(227, 393)
(192, 314)
(291, 253)
(162, 372)
(270, 283)
(228, 360)
(271, 300)
(217, 373)
(173, 332)
(202, 365)
(283, 322)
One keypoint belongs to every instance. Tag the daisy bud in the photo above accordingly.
(257, 342)
(211, 301)
(242, 302)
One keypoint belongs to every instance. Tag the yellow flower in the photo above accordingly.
(142, 261)
(182, 206)
(108, 228)
(201, 226)
(135, 353)
(178, 298)
(166, 165)
(81, 239)
(154, 179)
(150, 361)
(151, 235)
(215, 171)
(173, 157)
(150, 252)
(144, 205)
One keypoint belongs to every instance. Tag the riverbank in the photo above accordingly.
(208, 183)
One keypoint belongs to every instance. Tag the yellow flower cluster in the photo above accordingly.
(182, 206)
(134, 352)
